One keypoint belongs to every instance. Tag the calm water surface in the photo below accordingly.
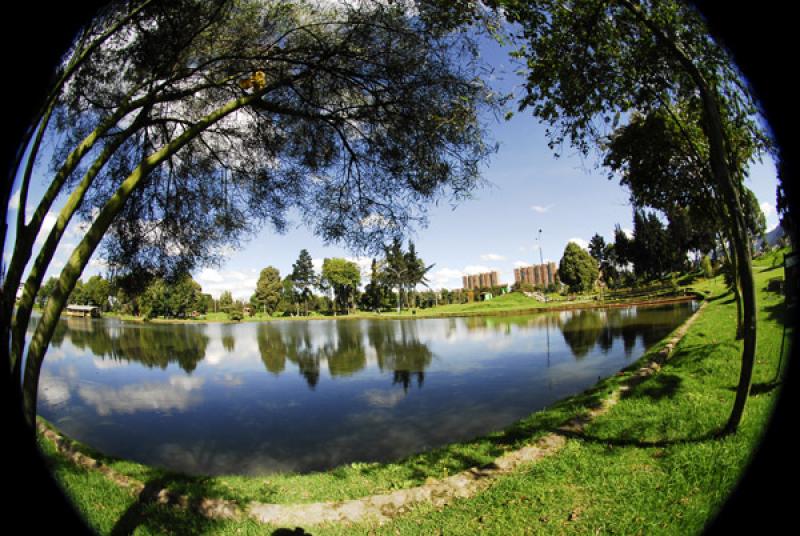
(309, 395)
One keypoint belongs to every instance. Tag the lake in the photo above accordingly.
(296, 395)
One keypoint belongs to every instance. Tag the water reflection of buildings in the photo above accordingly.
(585, 329)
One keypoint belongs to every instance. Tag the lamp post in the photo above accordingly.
(541, 261)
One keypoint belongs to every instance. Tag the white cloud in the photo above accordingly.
(209, 275)
(580, 241)
(520, 264)
(539, 209)
(445, 278)
(179, 394)
(767, 209)
(53, 391)
(241, 285)
(492, 257)
(380, 398)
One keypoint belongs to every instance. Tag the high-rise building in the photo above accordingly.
(479, 281)
(538, 275)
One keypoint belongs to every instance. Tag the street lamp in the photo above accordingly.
(541, 261)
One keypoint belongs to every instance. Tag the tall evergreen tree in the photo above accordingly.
(303, 277)
(597, 248)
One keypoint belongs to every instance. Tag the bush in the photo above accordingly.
(236, 315)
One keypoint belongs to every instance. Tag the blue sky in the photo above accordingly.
(529, 189)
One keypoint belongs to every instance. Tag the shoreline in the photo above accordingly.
(690, 296)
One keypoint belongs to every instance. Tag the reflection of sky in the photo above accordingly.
(229, 415)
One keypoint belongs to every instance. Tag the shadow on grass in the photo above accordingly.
(639, 443)
(777, 313)
(657, 388)
(160, 512)
(764, 388)
(297, 531)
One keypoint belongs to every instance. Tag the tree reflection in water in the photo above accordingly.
(150, 345)
(401, 351)
(342, 346)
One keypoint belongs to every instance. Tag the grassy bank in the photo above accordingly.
(647, 466)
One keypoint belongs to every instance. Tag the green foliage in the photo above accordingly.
(343, 277)
(597, 248)
(235, 313)
(175, 299)
(650, 245)
(269, 290)
(45, 291)
(577, 269)
(303, 277)
(225, 300)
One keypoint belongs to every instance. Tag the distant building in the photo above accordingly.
(538, 275)
(82, 310)
(479, 281)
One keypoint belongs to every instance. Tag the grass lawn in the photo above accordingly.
(648, 466)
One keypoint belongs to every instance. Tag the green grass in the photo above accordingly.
(648, 466)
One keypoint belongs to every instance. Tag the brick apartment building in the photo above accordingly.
(479, 281)
(538, 275)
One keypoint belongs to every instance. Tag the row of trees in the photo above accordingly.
(394, 279)
(178, 297)
(656, 249)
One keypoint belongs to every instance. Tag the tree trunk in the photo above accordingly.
(741, 249)
(83, 252)
(729, 190)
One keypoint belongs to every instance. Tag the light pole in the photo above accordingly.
(541, 259)
(541, 262)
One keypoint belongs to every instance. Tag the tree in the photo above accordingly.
(597, 248)
(395, 269)
(650, 246)
(415, 269)
(577, 269)
(303, 277)
(185, 296)
(97, 290)
(154, 301)
(181, 126)
(375, 290)
(593, 63)
(269, 290)
(343, 277)
(45, 292)
(225, 301)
